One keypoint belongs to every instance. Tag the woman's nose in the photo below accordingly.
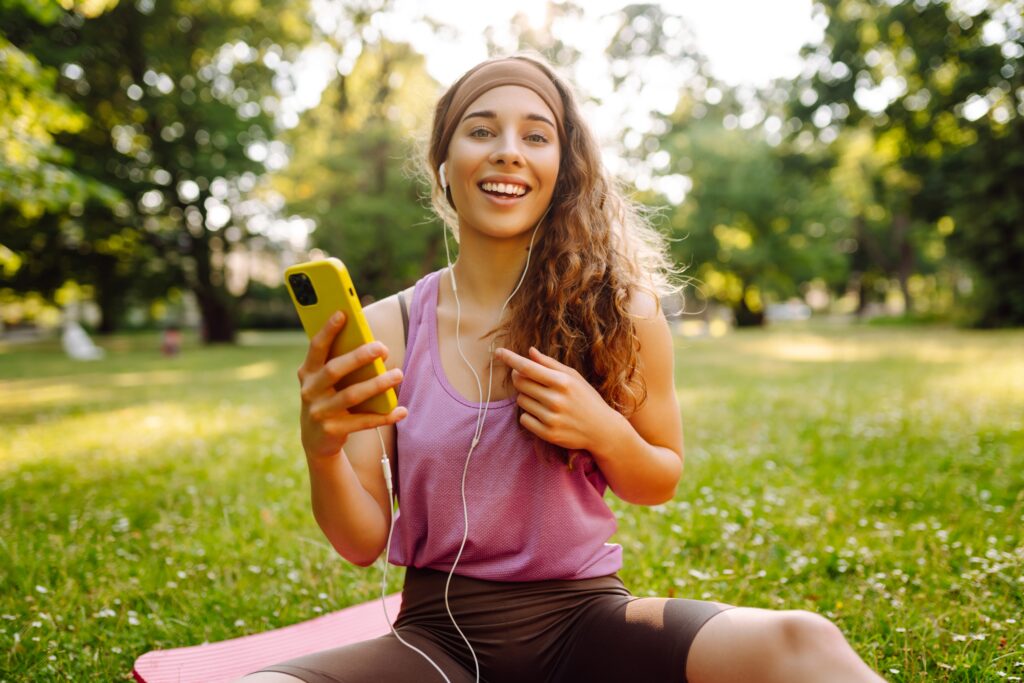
(507, 151)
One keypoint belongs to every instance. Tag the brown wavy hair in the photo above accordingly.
(595, 250)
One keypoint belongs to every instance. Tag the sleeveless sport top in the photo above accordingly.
(530, 517)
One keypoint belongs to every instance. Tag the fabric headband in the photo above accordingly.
(496, 73)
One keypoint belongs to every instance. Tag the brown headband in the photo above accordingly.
(496, 73)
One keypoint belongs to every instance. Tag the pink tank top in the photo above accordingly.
(530, 518)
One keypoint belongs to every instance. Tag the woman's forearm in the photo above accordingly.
(637, 471)
(347, 514)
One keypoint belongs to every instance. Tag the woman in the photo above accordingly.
(503, 526)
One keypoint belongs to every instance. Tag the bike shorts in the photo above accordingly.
(560, 630)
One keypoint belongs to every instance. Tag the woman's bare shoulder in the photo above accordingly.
(643, 304)
(385, 319)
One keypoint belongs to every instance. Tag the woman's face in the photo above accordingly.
(503, 161)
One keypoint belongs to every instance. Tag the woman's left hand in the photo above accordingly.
(559, 405)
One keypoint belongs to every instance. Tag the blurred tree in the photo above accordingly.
(180, 103)
(755, 222)
(748, 216)
(938, 86)
(356, 175)
(38, 184)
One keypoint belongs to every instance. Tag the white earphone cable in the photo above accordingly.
(386, 465)
(481, 418)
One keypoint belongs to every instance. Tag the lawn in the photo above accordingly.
(873, 475)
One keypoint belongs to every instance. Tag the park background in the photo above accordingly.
(851, 225)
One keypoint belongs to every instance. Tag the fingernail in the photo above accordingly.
(336, 318)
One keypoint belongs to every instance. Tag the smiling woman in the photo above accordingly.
(503, 162)
(510, 573)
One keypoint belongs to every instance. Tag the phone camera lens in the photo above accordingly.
(303, 289)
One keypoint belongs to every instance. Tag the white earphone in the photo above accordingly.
(481, 417)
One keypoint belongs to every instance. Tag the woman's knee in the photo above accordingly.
(804, 635)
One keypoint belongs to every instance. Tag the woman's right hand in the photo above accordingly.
(325, 420)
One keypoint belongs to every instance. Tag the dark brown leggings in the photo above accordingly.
(585, 630)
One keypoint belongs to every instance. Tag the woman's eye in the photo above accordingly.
(479, 132)
(536, 137)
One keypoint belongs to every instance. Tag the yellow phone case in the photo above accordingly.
(333, 291)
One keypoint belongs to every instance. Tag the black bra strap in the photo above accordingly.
(405, 325)
(405, 316)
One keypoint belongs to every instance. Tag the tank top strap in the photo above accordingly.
(411, 319)
(417, 311)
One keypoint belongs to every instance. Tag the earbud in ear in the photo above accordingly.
(444, 176)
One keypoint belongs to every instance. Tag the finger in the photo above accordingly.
(533, 425)
(320, 344)
(548, 361)
(535, 408)
(336, 368)
(530, 368)
(525, 385)
(357, 422)
(357, 393)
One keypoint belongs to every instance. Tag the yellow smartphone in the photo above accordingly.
(318, 289)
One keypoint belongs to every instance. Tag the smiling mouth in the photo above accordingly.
(505, 190)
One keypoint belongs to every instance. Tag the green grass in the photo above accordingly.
(874, 475)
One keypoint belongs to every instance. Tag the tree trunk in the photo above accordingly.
(746, 317)
(216, 305)
(862, 295)
(218, 326)
(110, 296)
(905, 263)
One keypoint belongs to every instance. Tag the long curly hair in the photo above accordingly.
(595, 249)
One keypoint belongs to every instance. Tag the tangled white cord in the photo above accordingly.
(481, 418)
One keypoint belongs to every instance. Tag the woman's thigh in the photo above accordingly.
(380, 660)
(640, 639)
(746, 644)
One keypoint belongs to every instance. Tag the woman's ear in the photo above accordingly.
(443, 175)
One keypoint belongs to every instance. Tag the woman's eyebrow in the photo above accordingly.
(489, 114)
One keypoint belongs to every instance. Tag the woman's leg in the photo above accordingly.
(380, 660)
(746, 644)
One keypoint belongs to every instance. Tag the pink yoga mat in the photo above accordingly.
(230, 659)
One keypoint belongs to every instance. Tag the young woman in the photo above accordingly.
(503, 527)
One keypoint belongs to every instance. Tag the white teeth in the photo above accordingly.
(504, 188)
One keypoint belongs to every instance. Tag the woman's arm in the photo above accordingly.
(641, 457)
(347, 490)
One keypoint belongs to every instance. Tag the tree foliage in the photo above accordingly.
(937, 86)
(177, 95)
